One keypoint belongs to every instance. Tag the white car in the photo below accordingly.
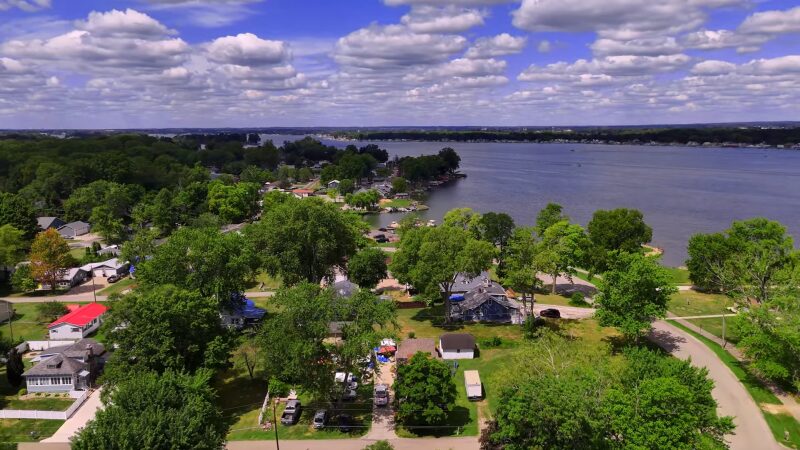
(381, 395)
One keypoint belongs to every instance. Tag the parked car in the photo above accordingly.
(345, 422)
(381, 395)
(320, 417)
(113, 278)
(550, 313)
(350, 394)
(291, 414)
(381, 240)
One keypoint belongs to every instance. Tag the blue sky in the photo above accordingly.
(166, 63)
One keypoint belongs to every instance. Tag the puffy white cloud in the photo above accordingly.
(25, 5)
(502, 44)
(247, 49)
(772, 22)
(713, 67)
(448, 19)
(643, 47)
(446, 2)
(544, 46)
(616, 66)
(128, 23)
(615, 19)
(395, 46)
(207, 13)
(11, 66)
(464, 67)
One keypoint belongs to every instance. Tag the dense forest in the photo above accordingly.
(729, 135)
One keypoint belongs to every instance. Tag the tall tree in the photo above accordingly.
(424, 391)
(561, 250)
(234, 203)
(14, 367)
(165, 328)
(12, 247)
(22, 279)
(708, 255)
(634, 292)
(550, 215)
(431, 258)
(367, 267)
(451, 159)
(107, 224)
(464, 218)
(49, 257)
(619, 229)
(148, 410)
(497, 228)
(18, 212)
(523, 263)
(203, 259)
(306, 240)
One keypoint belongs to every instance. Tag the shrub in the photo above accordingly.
(495, 341)
(577, 299)
(22, 392)
(531, 327)
(412, 335)
(50, 311)
(278, 388)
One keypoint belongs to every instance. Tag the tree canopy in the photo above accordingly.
(424, 391)
(49, 257)
(550, 215)
(619, 229)
(367, 267)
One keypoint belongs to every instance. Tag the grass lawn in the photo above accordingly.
(692, 303)
(24, 324)
(119, 286)
(555, 299)
(20, 430)
(270, 283)
(397, 203)
(360, 409)
(714, 326)
(240, 400)
(10, 400)
(78, 252)
(585, 277)
(429, 323)
(679, 276)
(385, 244)
(778, 422)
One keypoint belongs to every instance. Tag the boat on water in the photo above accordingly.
(431, 223)
(393, 225)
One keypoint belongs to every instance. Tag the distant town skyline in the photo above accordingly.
(269, 63)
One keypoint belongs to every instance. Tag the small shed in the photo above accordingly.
(73, 229)
(457, 346)
(472, 381)
(410, 347)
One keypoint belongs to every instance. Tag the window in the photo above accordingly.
(458, 350)
(54, 380)
(66, 380)
(75, 329)
(54, 330)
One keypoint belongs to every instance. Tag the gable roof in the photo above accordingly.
(48, 222)
(74, 225)
(70, 274)
(112, 263)
(464, 283)
(478, 296)
(455, 341)
(78, 350)
(410, 347)
(345, 288)
(81, 316)
(59, 364)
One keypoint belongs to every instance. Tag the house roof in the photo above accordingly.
(59, 364)
(464, 283)
(78, 350)
(480, 295)
(112, 263)
(302, 191)
(82, 315)
(76, 224)
(71, 273)
(345, 288)
(47, 222)
(454, 341)
(410, 347)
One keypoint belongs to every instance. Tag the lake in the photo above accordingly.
(680, 190)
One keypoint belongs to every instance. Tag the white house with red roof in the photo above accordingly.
(78, 323)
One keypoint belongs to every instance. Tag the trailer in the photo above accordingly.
(472, 381)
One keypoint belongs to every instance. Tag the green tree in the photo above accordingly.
(14, 367)
(367, 200)
(274, 198)
(204, 259)
(305, 240)
(109, 226)
(254, 174)
(399, 184)
(12, 247)
(49, 311)
(346, 186)
(450, 158)
(190, 201)
(233, 203)
(367, 267)
(329, 173)
(49, 258)
(18, 212)
(165, 328)
(633, 293)
(22, 279)
(424, 392)
(708, 255)
(464, 218)
(148, 410)
(549, 216)
(380, 445)
(431, 258)
(561, 250)
(140, 247)
(619, 229)
(522, 263)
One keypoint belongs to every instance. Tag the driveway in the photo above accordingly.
(732, 398)
(78, 420)
(463, 443)
(567, 312)
(383, 416)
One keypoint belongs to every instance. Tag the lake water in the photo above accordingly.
(680, 190)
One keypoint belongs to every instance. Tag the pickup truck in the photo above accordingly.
(291, 414)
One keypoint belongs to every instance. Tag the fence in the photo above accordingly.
(36, 346)
(48, 415)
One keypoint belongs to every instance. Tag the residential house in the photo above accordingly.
(333, 184)
(79, 323)
(464, 283)
(112, 250)
(49, 222)
(345, 288)
(302, 193)
(66, 368)
(487, 302)
(73, 229)
(457, 346)
(402, 196)
(69, 278)
(6, 310)
(106, 268)
(410, 347)
(244, 314)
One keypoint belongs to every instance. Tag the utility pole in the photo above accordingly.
(10, 319)
(94, 292)
(724, 342)
(275, 421)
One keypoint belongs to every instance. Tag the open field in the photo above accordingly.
(692, 303)
(429, 323)
(679, 276)
(556, 299)
(264, 282)
(119, 286)
(26, 430)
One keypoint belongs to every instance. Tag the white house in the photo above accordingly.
(333, 184)
(457, 346)
(66, 368)
(70, 278)
(107, 268)
(79, 323)
(73, 229)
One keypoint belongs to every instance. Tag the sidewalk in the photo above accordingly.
(78, 420)
(791, 405)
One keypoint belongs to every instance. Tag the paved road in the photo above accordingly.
(78, 420)
(465, 443)
(68, 298)
(732, 398)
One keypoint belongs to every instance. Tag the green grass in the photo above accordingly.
(679, 276)
(779, 422)
(10, 400)
(713, 325)
(692, 303)
(77, 252)
(585, 277)
(119, 286)
(270, 283)
(25, 325)
(385, 244)
(360, 409)
(240, 400)
(429, 323)
(397, 203)
(555, 299)
(19, 430)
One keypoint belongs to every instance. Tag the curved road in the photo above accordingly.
(732, 398)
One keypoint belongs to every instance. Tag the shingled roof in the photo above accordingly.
(59, 364)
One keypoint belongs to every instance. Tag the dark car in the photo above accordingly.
(550, 313)
(291, 414)
(320, 417)
(381, 240)
(113, 278)
(345, 422)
